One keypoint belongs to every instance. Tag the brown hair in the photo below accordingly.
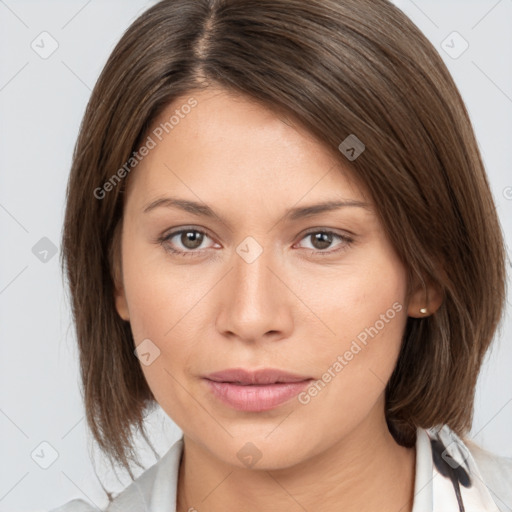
(339, 67)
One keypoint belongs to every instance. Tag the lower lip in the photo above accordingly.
(256, 398)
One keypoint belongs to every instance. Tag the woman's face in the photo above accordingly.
(262, 287)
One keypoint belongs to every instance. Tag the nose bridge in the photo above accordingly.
(254, 301)
(252, 278)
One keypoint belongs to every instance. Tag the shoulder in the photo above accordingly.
(75, 506)
(496, 472)
(156, 485)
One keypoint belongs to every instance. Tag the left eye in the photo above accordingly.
(321, 240)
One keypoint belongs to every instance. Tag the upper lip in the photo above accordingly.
(262, 376)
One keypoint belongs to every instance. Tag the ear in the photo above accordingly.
(121, 303)
(115, 262)
(424, 296)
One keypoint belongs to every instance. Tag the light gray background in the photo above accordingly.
(41, 104)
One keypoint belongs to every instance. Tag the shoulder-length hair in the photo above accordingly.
(339, 67)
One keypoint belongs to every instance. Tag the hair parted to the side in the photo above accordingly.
(339, 67)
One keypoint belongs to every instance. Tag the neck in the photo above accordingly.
(366, 470)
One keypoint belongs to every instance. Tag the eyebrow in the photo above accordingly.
(292, 214)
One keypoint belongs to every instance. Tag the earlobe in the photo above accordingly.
(425, 300)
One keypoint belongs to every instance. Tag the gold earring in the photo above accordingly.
(423, 311)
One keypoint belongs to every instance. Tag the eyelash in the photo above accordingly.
(165, 239)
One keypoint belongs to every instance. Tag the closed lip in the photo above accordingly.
(262, 376)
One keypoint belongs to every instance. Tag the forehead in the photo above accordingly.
(217, 143)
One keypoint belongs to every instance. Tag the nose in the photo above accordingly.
(255, 303)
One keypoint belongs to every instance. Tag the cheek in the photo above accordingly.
(353, 370)
(362, 301)
(155, 291)
(158, 312)
(365, 311)
(164, 309)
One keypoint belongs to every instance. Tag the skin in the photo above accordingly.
(292, 308)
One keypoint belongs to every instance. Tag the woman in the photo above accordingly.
(279, 229)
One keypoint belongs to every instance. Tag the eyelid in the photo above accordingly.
(342, 233)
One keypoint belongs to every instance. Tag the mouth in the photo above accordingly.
(263, 376)
(255, 391)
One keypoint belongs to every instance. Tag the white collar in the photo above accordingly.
(444, 468)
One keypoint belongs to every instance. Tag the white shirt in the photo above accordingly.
(451, 476)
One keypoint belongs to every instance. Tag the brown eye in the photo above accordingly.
(191, 239)
(321, 240)
(185, 242)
